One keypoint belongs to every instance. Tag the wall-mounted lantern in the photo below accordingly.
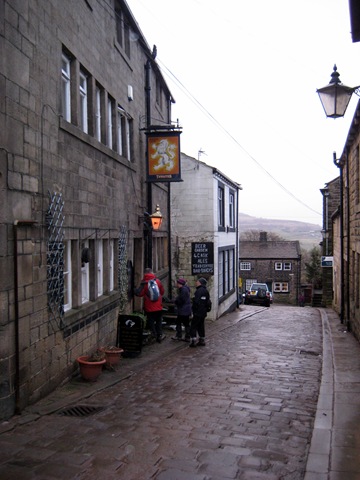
(156, 218)
(335, 97)
(152, 221)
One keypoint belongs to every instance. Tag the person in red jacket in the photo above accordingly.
(152, 308)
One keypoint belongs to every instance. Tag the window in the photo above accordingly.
(278, 266)
(128, 136)
(98, 114)
(226, 265)
(231, 269)
(67, 277)
(221, 274)
(221, 222)
(120, 129)
(111, 266)
(119, 23)
(100, 268)
(281, 287)
(124, 134)
(55, 277)
(127, 39)
(287, 265)
(65, 88)
(158, 93)
(245, 266)
(85, 277)
(110, 124)
(122, 29)
(83, 103)
(231, 210)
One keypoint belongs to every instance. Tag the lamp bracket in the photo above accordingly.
(145, 220)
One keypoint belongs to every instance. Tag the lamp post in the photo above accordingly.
(335, 96)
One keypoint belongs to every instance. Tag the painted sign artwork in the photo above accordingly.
(163, 162)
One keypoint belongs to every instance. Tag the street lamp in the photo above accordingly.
(336, 96)
(153, 221)
(156, 218)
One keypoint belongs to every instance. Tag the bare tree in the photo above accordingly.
(254, 236)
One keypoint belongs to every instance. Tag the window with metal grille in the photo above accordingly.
(55, 257)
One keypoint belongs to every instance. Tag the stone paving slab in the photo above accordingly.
(242, 407)
(274, 394)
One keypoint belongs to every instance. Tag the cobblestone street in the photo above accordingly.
(242, 407)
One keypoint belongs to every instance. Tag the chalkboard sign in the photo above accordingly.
(130, 333)
(202, 258)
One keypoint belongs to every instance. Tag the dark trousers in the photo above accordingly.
(154, 323)
(182, 320)
(197, 326)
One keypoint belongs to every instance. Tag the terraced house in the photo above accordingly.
(80, 88)
(276, 263)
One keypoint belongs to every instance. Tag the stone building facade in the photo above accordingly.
(276, 263)
(204, 213)
(80, 86)
(348, 266)
(346, 217)
(331, 202)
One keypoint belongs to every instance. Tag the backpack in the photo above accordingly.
(153, 290)
(208, 305)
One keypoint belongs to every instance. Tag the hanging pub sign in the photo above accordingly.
(163, 157)
(202, 258)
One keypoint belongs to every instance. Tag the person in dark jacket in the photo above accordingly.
(199, 308)
(152, 309)
(183, 305)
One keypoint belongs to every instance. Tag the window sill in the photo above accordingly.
(75, 131)
(78, 318)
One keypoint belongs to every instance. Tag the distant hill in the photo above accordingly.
(308, 234)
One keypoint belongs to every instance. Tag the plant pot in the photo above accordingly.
(90, 371)
(112, 355)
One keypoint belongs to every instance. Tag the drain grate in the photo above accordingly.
(79, 411)
(309, 352)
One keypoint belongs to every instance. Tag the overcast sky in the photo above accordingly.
(244, 75)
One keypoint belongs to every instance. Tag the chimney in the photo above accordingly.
(263, 236)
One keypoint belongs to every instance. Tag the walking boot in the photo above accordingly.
(193, 342)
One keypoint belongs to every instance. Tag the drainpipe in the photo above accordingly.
(17, 223)
(169, 240)
(148, 239)
(339, 164)
(348, 324)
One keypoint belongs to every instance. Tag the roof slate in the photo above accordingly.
(270, 250)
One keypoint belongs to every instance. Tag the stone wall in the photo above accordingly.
(102, 189)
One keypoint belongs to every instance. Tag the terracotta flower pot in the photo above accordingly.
(112, 355)
(90, 370)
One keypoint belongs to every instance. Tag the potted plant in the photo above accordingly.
(112, 355)
(91, 365)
